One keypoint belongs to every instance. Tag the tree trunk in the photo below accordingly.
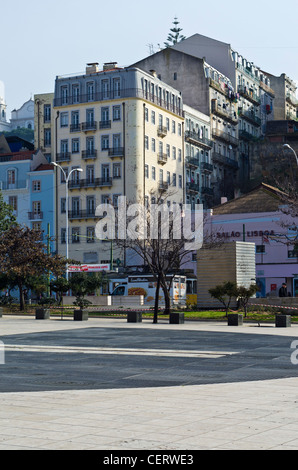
(167, 310)
(156, 300)
(22, 302)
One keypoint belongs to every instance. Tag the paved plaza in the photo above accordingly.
(105, 384)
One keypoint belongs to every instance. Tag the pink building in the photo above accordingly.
(259, 217)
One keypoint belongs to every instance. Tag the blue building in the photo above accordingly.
(27, 184)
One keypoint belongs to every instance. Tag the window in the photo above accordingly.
(260, 249)
(174, 179)
(105, 89)
(116, 170)
(91, 205)
(47, 113)
(168, 177)
(116, 113)
(104, 142)
(47, 137)
(90, 173)
(11, 177)
(153, 145)
(62, 174)
(293, 253)
(36, 186)
(179, 155)
(90, 234)
(75, 94)
(63, 205)
(180, 181)
(146, 142)
(36, 207)
(116, 87)
(63, 119)
(152, 117)
(13, 202)
(64, 95)
(173, 127)
(75, 235)
(90, 91)
(115, 200)
(36, 226)
(75, 145)
(64, 146)
(179, 129)
(146, 114)
(174, 153)
(146, 171)
(153, 174)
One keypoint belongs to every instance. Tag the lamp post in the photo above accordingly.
(66, 204)
(289, 147)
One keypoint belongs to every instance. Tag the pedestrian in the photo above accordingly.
(283, 290)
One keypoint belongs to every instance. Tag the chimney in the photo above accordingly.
(92, 68)
(109, 66)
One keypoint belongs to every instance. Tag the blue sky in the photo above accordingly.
(43, 39)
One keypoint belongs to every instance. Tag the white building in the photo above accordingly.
(24, 116)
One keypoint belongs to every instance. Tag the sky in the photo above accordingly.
(40, 40)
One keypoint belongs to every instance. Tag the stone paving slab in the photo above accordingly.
(253, 405)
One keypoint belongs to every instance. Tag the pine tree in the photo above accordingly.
(174, 36)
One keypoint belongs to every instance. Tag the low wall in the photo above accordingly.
(289, 303)
(108, 300)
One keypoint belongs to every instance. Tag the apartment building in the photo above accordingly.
(198, 166)
(210, 92)
(27, 185)
(286, 103)
(124, 128)
(44, 124)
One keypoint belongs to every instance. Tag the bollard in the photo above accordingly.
(282, 321)
(235, 319)
(134, 317)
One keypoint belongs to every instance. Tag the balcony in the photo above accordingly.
(206, 167)
(226, 161)
(163, 186)
(90, 183)
(191, 186)
(195, 139)
(22, 184)
(206, 191)
(35, 215)
(89, 126)
(116, 152)
(63, 157)
(247, 136)
(162, 131)
(267, 89)
(190, 161)
(225, 137)
(249, 94)
(250, 116)
(104, 124)
(220, 111)
(292, 99)
(81, 214)
(89, 154)
(75, 127)
(162, 158)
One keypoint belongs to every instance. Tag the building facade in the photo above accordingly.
(23, 117)
(286, 102)
(44, 122)
(124, 129)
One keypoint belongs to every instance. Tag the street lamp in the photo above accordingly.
(289, 147)
(66, 204)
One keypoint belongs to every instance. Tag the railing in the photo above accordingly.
(89, 154)
(292, 99)
(192, 161)
(121, 94)
(218, 157)
(75, 127)
(162, 158)
(191, 135)
(104, 124)
(163, 186)
(192, 186)
(63, 157)
(162, 131)
(205, 166)
(81, 214)
(245, 135)
(90, 183)
(116, 152)
(35, 215)
(207, 191)
(89, 126)
(222, 112)
(225, 136)
(249, 94)
(248, 71)
(250, 116)
(5, 186)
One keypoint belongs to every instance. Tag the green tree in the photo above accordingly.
(244, 294)
(83, 284)
(60, 286)
(174, 36)
(7, 218)
(224, 293)
(22, 254)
